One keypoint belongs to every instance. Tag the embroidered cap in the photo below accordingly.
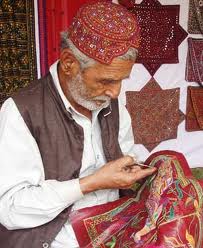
(104, 30)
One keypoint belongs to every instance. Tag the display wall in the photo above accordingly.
(171, 79)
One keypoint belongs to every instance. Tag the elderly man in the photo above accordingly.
(65, 140)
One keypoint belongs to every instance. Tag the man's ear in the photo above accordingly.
(69, 64)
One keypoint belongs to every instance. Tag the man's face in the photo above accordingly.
(95, 86)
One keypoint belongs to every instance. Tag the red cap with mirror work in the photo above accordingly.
(103, 30)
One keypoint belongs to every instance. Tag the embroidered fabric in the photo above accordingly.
(18, 64)
(103, 31)
(167, 212)
(195, 19)
(194, 110)
(194, 63)
(155, 114)
(161, 33)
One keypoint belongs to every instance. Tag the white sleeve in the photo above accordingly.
(26, 198)
(126, 138)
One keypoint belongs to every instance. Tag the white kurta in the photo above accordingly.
(26, 198)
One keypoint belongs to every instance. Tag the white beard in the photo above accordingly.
(78, 91)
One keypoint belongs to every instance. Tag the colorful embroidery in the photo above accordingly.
(104, 38)
(161, 34)
(163, 114)
(169, 214)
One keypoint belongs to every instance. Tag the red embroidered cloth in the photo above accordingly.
(104, 30)
(194, 63)
(155, 114)
(161, 34)
(169, 213)
(194, 110)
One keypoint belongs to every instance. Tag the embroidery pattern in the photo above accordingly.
(110, 37)
(160, 34)
(17, 46)
(194, 63)
(163, 114)
(195, 19)
(194, 110)
(171, 217)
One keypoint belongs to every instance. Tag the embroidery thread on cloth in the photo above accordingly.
(195, 19)
(17, 46)
(160, 34)
(155, 114)
(169, 213)
(194, 62)
(194, 110)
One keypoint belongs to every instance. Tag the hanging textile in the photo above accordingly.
(194, 110)
(161, 34)
(194, 63)
(195, 19)
(17, 46)
(165, 212)
(163, 114)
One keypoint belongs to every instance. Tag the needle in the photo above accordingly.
(142, 165)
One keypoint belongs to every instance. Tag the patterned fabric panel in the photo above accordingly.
(195, 19)
(194, 63)
(169, 213)
(163, 114)
(194, 110)
(161, 33)
(17, 46)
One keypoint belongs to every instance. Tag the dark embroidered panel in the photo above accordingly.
(194, 63)
(155, 114)
(161, 33)
(195, 19)
(17, 46)
(194, 111)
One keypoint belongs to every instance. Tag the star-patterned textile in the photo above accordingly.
(155, 114)
(161, 33)
(103, 30)
(194, 111)
(194, 63)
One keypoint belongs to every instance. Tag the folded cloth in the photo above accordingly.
(168, 212)
(194, 110)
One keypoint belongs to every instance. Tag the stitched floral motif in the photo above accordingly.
(169, 213)
(161, 33)
(155, 114)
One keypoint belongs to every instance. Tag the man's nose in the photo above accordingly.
(113, 90)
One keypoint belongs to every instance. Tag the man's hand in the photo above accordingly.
(118, 174)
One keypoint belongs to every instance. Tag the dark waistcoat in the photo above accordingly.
(60, 141)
